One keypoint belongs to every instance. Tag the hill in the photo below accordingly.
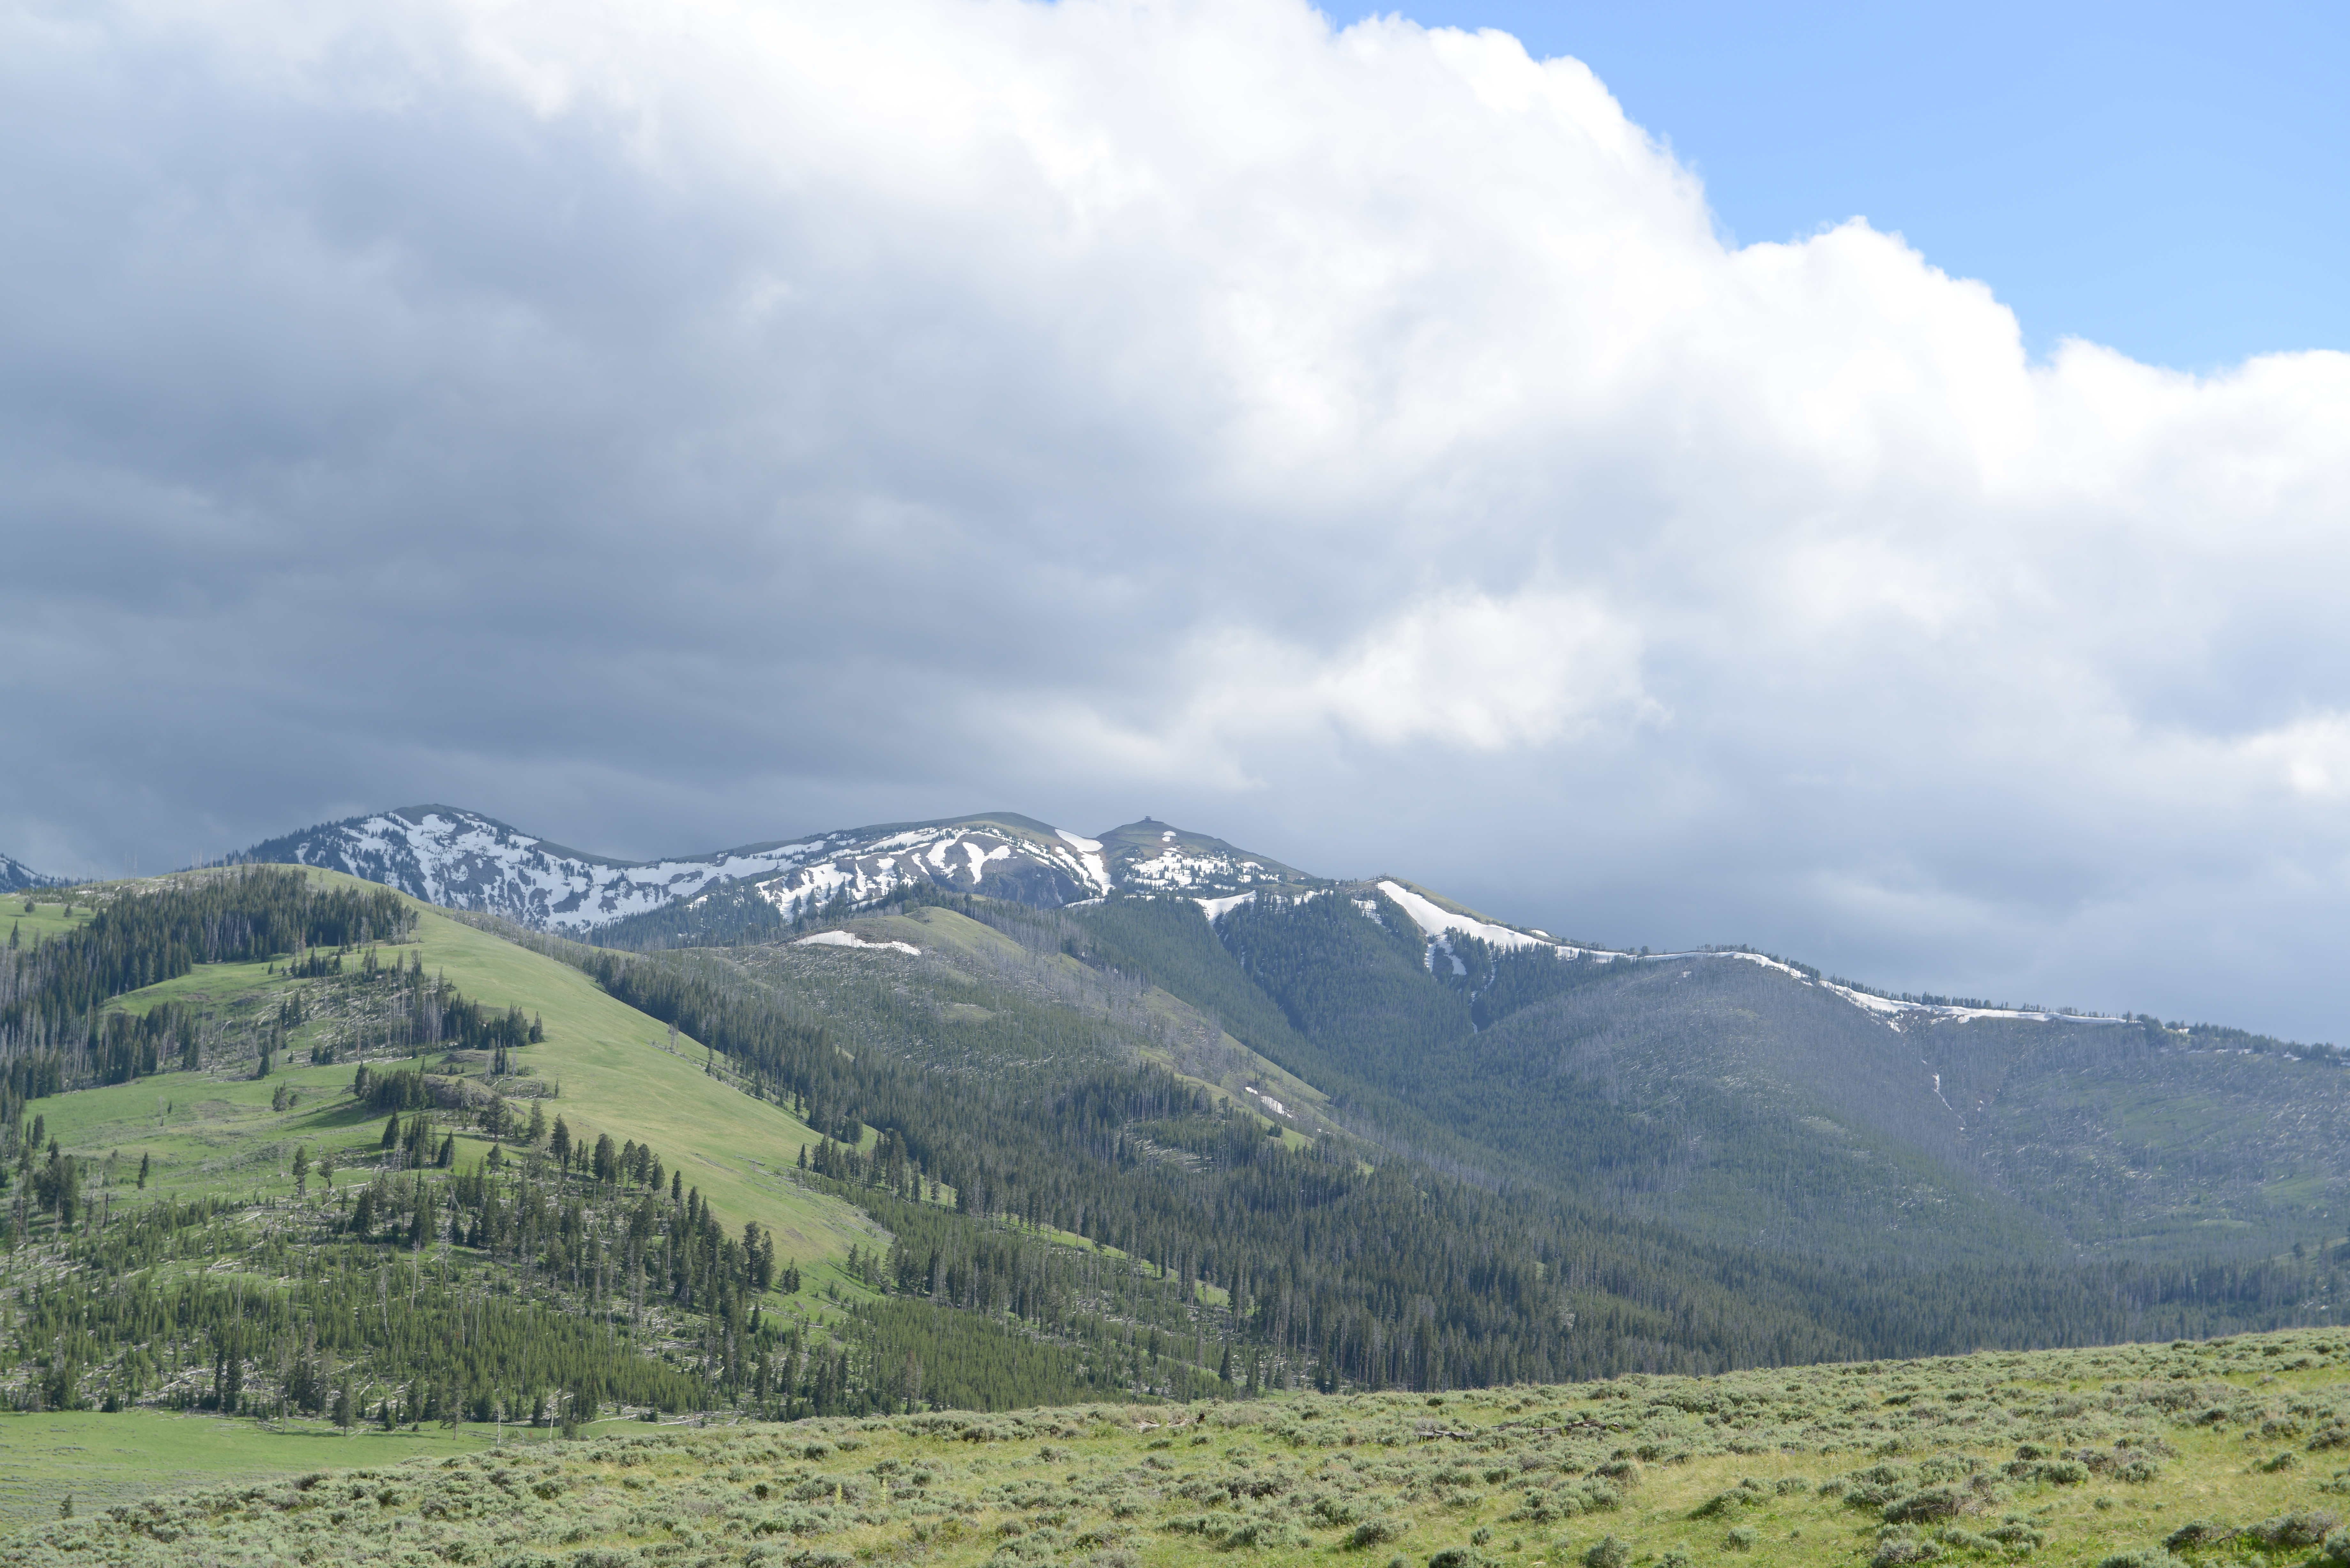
(16, 877)
(285, 1143)
(603, 1066)
(2134, 1457)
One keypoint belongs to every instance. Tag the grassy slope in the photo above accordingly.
(209, 1133)
(47, 918)
(2235, 1432)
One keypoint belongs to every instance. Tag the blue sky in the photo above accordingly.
(2172, 180)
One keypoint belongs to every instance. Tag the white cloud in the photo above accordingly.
(669, 424)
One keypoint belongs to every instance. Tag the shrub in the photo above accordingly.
(2290, 1530)
(1607, 1552)
(1935, 1502)
(1897, 1550)
(1373, 1532)
(2198, 1532)
(1726, 1502)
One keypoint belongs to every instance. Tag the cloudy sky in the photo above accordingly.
(671, 426)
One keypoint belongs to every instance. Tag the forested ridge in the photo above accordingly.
(1398, 1275)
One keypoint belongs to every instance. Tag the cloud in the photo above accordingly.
(668, 426)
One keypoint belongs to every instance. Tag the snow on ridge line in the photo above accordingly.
(1891, 1009)
(1214, 908)
(1434, 921)
(464, 861)
(1082, 846)
(851, 940)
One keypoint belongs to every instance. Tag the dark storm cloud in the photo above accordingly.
(688, 426)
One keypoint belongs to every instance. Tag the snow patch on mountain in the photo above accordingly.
(1046, 867)
(467, 861)
(463, 860)
(1267, 1101)
(1175, 869)
(1895, 1012)
(1434, 921)
(851, 940)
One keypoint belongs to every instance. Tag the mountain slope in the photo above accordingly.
(1735, 1095)
(16, 877)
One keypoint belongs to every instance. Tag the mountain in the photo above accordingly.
(1343, 1135)
(465, 860)
(1734, 1097)
(16, 877)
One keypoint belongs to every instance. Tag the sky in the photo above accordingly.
(2162, 179)
(1876, 496)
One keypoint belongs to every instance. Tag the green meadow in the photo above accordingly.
(99, 1461)
(2231, 1451)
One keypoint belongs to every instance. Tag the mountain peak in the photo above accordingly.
(1155, 857)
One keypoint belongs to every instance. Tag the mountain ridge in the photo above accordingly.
(16, 877)
(465, 859)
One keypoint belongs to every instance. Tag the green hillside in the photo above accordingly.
(614, 1069)
(2230, 1451)
(348, 1158)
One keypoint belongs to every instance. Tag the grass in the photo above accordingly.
(214, 1132)
(101, 1460)
(2233, 1450)
(46, 918)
